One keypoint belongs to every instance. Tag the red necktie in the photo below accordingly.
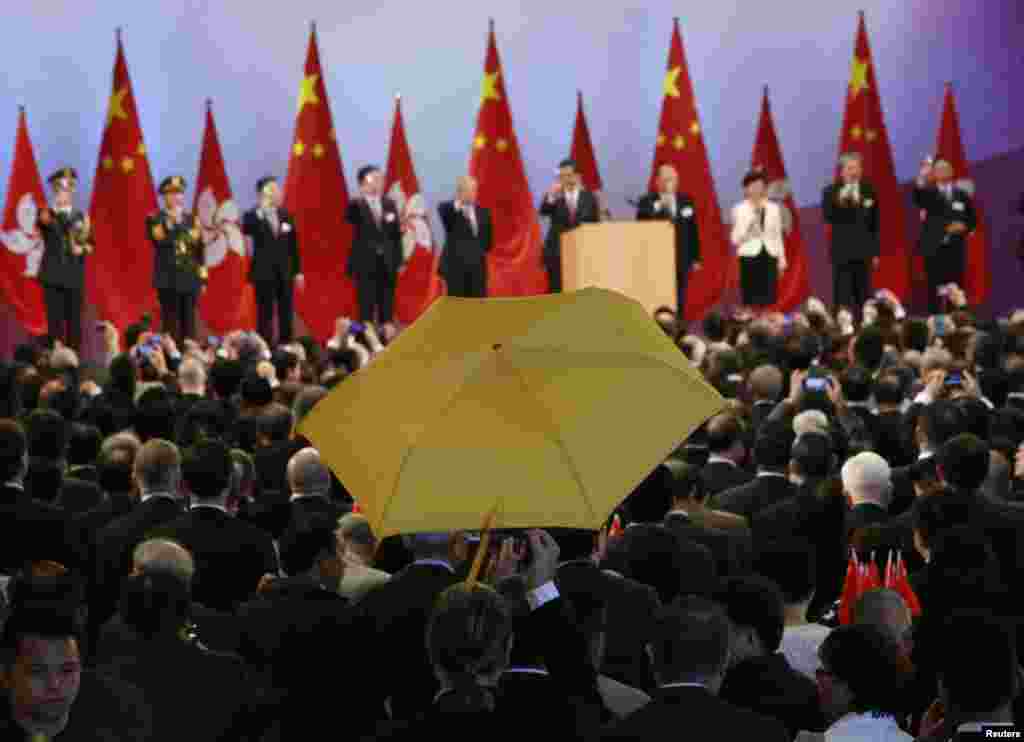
(571, 201)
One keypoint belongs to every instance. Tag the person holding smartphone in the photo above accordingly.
(757, 234)
(567, 204)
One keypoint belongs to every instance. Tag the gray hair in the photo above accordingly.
(191, 373)
(867, 476)
(810, 421)
(878, 608)
(164, 556)
(307, 474)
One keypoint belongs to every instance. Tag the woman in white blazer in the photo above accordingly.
(758, 235)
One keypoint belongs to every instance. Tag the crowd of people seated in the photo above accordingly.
(177, 562)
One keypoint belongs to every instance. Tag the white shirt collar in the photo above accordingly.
(209, 505)
(303, 496)
(773, 474)
(716, 459)
(150, 495)
(527, 671)
(15, 486)
(683, 685)
(433, 563)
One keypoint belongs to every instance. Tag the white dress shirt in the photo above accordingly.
(770, 238)
(866, 728)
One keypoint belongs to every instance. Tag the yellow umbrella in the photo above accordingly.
(545, 410)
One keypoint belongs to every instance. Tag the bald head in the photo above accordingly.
(192, 377)
(158, 467)
(885, 610)
(307, 474)
(164, 556)
(765, 383)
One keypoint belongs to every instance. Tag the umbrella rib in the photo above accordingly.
(561, 445)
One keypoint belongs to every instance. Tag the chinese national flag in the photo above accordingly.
(316, 195)
(514, 263)
(119, 273)
(795, 283)
(681, 145)
(864, 132)
(22, 244)
(229, 302)
(851, 591)
(418, 284)
(977, 280)
(582, 153)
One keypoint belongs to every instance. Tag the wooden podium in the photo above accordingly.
(637, 259)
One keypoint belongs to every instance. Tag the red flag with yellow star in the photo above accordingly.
(795, 283)
(681, 144)
(316, 195)
(418, 283)
(229, 302)
(22, 243)
(864, 132)
(119, 273)
(514, 263)
(950, 148)
(582, 152)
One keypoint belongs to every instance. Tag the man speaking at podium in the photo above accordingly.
(679, 209)
(568, 205)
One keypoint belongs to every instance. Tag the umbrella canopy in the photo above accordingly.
(545, 410)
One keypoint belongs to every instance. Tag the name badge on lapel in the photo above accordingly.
(286, 227)
(868, 203)
(958, 206)
(687, 212)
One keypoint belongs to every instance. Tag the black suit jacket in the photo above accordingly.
(463, 248)
(769, 686)
(724, 549)
(756, 495)
(695, 713)
(172, 272)
(940, 212)
(719, 476)
(685, 222)
(892, 439)
(863, 515)
(274, 257)
(31, 531)
(632, 608)
(854, 225)
(369, 238)
(59, 267)
(561, 221)
(231, 556)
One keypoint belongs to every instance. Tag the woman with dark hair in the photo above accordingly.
(758, 233)
(861, 684)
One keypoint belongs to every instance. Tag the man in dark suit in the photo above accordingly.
(567, 205)
(727, 452)
(67, 237)
(469, 237)
(310, 484)
(179, 269)
(691, 655)
(276, 268)
(30, 531)
(850, 206)
(678, 208)
(949, 218)
(376, 253)
(231, 556)
(771, 485)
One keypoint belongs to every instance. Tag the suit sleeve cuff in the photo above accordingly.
(542, 595)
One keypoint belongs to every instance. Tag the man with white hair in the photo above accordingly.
(669, 204)
(850, 206)
(811, 421)
(947, 220)
(192, 381)
(468, 238)
(867, 482)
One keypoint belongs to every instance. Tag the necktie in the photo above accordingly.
(571, 202)
(670, 205)
(471, 216)
(275, 225)
(375, 208)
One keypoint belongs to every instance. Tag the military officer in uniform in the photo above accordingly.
(67, 237)
(179, 271)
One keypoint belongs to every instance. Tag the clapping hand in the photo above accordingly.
(544, 553)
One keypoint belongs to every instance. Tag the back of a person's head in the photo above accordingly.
(714, 326)
(812, 456)
(47, 435)
(205, 419)
(84, 444)
(690, 641)
(355, 529)
(158, 466)
(226, 377)
(803, 350)
(42, 619)
(869, 348)
(977, 416)
(467, 639)
(207, 469)
(773, 445)
(304, 544)
(884, 609)
(123, 374)
(276, 423)
(791, 564)
(13, 450)
(754, 602)
(940, 421)
(155, 604)
(978, 664)
(867, 476)
(256, 391)
(687, 483)
(915, 334)
(856, 383)
(154, 416)
(652, 498)
(191, 374)
(964, 460)
(306, 401)
(164, 556)
(888, 390)
(766, 382)
(724, 431)
(655, 556)
(307, 474)
(874, 670)
(114, 469)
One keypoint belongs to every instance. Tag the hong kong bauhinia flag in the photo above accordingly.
(681, 144)
(950, 147)
(795, 283)
(418, 283)
(317, 196)
(864, 132)
(582, 153)
(119, 273)
(22, 245)
(514, 264)
(230, 301)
